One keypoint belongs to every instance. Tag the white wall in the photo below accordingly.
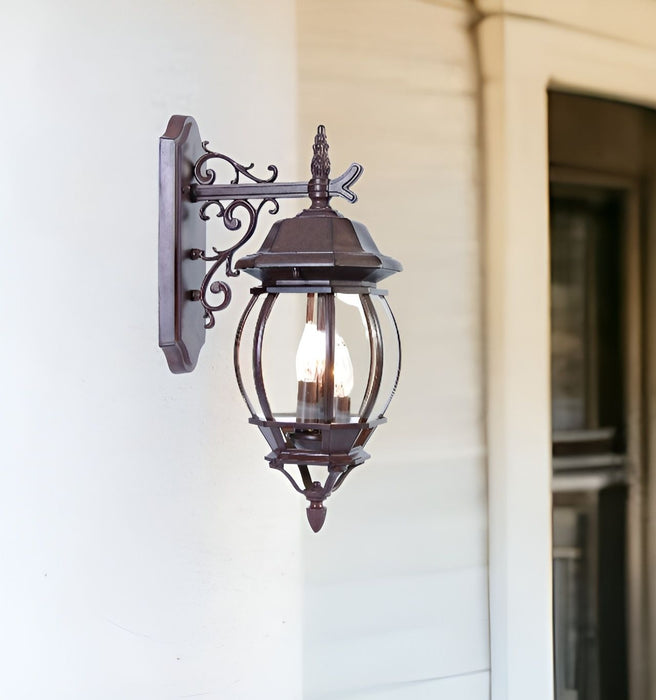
(147, 551)
(396, 582)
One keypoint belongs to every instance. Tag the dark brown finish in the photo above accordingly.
(239, 211)
(218, 258)
(318, 245)
(320, 164)
(181, 328)
(337, 446)
(337, 187)
(187, 192)
(320, 169)
(317, 253)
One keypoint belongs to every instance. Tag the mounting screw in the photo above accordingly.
(195, 295)
(195, 253)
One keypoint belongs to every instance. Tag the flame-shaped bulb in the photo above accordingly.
(311, 354)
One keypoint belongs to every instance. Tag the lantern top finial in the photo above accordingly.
(320, 166)
(320, 169)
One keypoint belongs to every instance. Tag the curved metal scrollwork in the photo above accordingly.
(215, 295)
(207, 176)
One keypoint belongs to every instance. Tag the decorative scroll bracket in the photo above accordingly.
(187, 190)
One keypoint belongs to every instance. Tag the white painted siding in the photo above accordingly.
(396, 583)
(146, 553)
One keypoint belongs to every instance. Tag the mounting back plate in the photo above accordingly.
(181, 319)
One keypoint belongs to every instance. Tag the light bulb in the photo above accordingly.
(310, 370)
(311, 354)
(310, 374)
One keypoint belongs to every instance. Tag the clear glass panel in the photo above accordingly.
(295, 356)
(589, 616)
(391, 355)
(282, 333)
(575, 648)
(244, 354)
(352, 356)
(589, 500)
(586, 378)
(569, 287)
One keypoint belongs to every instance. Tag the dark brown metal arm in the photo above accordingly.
(338, 187)
(190, 293)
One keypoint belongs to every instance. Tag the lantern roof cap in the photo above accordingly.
(319, 244)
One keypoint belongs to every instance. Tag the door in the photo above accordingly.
(597, 465)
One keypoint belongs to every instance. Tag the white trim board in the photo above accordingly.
(520, 60)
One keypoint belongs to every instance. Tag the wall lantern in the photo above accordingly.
(319, 267)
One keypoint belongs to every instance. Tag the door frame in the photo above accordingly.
(633, 344)
(521, 59)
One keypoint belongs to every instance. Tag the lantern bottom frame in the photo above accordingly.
(325, 444)
(339, 448)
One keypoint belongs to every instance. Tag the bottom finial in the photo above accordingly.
(316, 515)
